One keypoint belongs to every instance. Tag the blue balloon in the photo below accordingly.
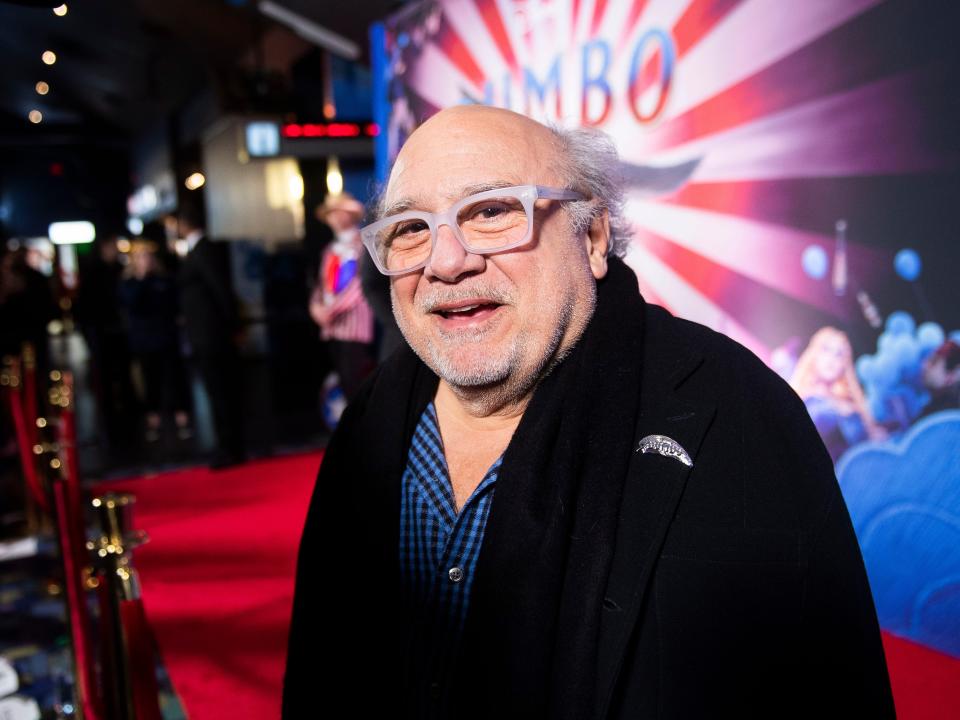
(900, 323)
(865, 369)
(886, 371)
(884, 342)
(912, 374)
(917, 401)
(930, 335)
(906, 350)
(814, 261)
(908, 265)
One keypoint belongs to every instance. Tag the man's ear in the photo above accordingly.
(598, 244)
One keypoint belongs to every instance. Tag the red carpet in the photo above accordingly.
(217, 580)
(926, 684)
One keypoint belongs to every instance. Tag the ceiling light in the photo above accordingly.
(35, 116)
(60, 10)
(42, 88)
(195, 181)
(49, 57)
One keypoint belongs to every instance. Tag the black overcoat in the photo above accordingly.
(736, 587)
(206, 297)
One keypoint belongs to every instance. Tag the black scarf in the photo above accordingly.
(530, 641)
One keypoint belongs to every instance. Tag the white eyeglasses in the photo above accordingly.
(488, 222)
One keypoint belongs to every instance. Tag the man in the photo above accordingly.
(565, 503)
(337, 303)
(212, 324)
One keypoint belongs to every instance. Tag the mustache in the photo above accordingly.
(442, 296)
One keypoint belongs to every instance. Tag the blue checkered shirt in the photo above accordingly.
(438, 556)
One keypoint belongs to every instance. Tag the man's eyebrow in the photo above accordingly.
(410, 203)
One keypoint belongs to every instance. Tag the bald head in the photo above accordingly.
(456, 146)
(465, 121)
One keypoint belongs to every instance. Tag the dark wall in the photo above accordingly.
(40, 185)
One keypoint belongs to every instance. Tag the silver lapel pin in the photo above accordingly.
(666, 446)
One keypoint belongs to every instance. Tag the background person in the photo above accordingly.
(826, 381)
(337, 303)
(148, 300)
(213, 329)
(98, 315)
(27, 306)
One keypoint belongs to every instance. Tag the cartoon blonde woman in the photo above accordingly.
(825, 380)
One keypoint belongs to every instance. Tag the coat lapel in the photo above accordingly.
(398, 398)
(651, 493)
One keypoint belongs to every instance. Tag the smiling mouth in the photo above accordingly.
(467, 311)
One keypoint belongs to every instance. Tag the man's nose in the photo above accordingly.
(449, 259)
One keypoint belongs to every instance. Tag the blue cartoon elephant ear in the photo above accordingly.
(904, 500)
(653, 181)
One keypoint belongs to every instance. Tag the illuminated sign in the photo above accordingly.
(330, 130)
(143, 201)
(263, 139)
(77, 232)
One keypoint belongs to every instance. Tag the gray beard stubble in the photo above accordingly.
(498, 384)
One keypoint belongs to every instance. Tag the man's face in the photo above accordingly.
(498, 320)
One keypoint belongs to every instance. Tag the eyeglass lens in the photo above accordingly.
(486, 226)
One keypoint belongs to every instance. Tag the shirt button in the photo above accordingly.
(455, 574)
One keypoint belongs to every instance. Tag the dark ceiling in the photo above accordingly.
(123, 64)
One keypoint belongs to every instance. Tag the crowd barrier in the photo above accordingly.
(112, 647)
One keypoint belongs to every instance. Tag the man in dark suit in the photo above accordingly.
(212, 325)
(561, 502)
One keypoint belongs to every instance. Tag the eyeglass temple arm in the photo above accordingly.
(552, 194)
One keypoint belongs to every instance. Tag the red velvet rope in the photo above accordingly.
(29, 374)
(25, 445)
(76, 604)
(67, 438)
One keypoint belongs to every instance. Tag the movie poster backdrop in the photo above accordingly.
(793, 180)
